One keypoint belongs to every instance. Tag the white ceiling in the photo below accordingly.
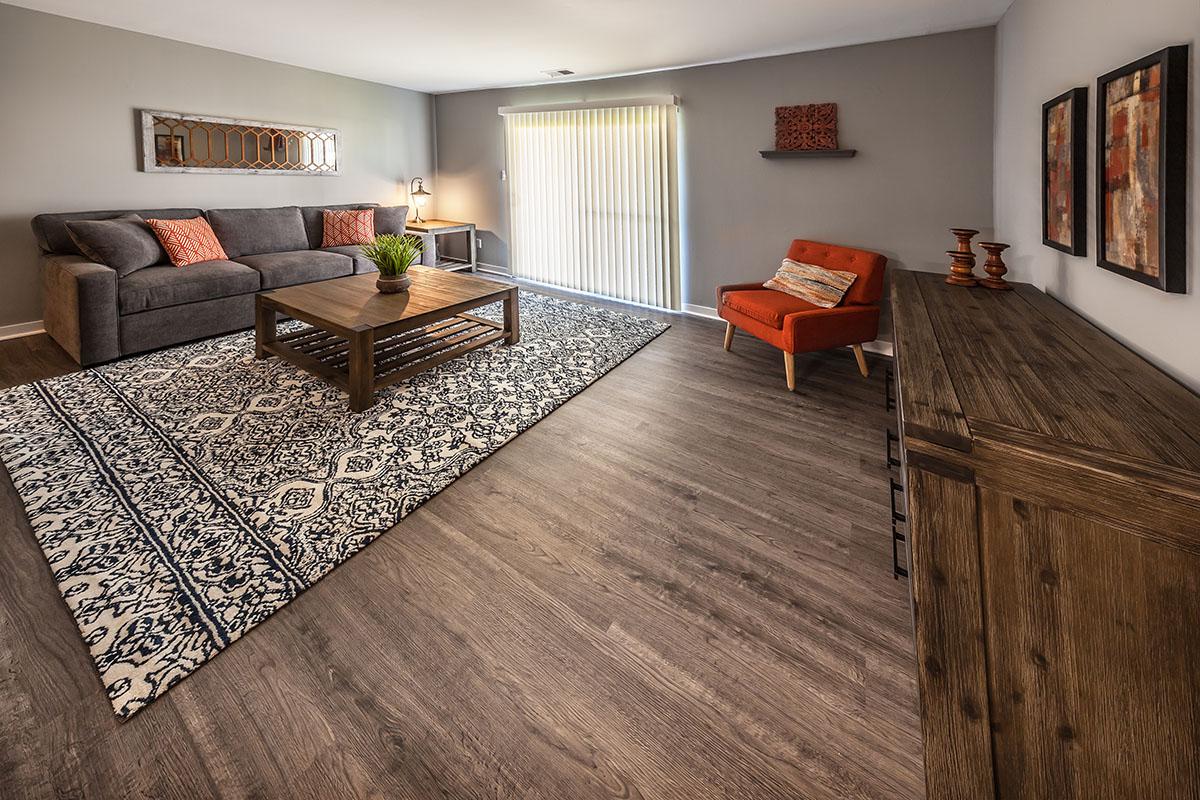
(451, 45)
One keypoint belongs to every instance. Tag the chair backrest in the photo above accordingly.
(867, 289)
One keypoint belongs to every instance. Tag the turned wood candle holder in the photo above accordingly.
(994, 266)
(964, 238)
(962, 266)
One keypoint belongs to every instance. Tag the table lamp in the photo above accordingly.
(416, 191)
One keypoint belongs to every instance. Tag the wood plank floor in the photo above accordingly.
(678, 585)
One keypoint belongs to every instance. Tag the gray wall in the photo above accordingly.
(919, 111)
(1045, 47)
(68, 91)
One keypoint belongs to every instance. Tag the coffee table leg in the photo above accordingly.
(512, 317)
(362, 370)
(264, 327)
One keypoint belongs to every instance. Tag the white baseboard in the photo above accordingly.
(879, 346)
(588, 295)
(21, 329)
(700, 311)
(493, 269)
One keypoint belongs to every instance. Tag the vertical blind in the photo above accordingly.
(593, 202)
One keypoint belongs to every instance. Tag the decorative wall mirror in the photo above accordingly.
(188, 143)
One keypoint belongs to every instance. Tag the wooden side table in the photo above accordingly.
(444, 227)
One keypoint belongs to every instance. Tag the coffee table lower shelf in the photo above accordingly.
(391, 359)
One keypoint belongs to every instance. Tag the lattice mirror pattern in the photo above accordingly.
(186, 143)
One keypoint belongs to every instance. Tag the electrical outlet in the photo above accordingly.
(503, 174)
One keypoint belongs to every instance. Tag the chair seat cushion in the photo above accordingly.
(159, 287)
(361, 263)
(765, 305)
(298, 266)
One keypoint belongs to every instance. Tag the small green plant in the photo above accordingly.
(392, 254)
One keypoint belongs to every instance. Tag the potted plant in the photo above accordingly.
(393, 255)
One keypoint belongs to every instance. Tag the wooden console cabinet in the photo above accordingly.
(1052, 486)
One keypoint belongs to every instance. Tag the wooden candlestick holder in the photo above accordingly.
(964, 238)
(962, 266)
(994, 266)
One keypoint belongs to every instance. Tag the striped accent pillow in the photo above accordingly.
(343, 228)
(187, 241)
(817, 285)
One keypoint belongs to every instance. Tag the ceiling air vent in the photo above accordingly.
(558, 73)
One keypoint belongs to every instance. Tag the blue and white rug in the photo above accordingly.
(182, 497)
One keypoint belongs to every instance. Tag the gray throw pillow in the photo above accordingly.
(125, 243)
(391, 219)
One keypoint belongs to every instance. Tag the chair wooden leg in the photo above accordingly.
(729, 329)
(862, 360)
(789, 369)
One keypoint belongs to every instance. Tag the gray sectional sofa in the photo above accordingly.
(98, 312)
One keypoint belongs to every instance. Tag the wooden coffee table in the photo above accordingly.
(361, 340)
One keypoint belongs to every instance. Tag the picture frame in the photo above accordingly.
(1064, 172)
(1141, 169)
(169, 150)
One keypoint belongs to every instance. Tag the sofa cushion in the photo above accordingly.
(298, 266)
(314, 225)
(391, 219)
(249, 231)
(160, 287)
(765, 305)
(52, 235)
(160, 327)
(126, 243)
(361, 263)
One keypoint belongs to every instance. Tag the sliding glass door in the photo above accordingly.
(593, 204)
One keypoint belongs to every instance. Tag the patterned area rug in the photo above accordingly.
(181, 497)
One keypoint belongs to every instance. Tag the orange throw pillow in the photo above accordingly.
(348, 227)
(188, 241)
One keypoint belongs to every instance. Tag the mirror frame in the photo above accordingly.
(150, 162)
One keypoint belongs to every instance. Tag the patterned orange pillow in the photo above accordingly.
(348, 227)
(188, 241)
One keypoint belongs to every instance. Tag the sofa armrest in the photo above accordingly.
(429, 253)
(735, 287)
(824, 328)
(79, 300)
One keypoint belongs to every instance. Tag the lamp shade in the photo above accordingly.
(418, 195)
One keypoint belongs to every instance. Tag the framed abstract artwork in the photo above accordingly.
(1064, 172)
(1141, 170)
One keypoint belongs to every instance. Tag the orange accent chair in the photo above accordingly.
(797, 326)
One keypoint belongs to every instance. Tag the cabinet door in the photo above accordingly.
(1093, 655)
(948, 617)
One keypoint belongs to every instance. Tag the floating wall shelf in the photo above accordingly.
(807, 153)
